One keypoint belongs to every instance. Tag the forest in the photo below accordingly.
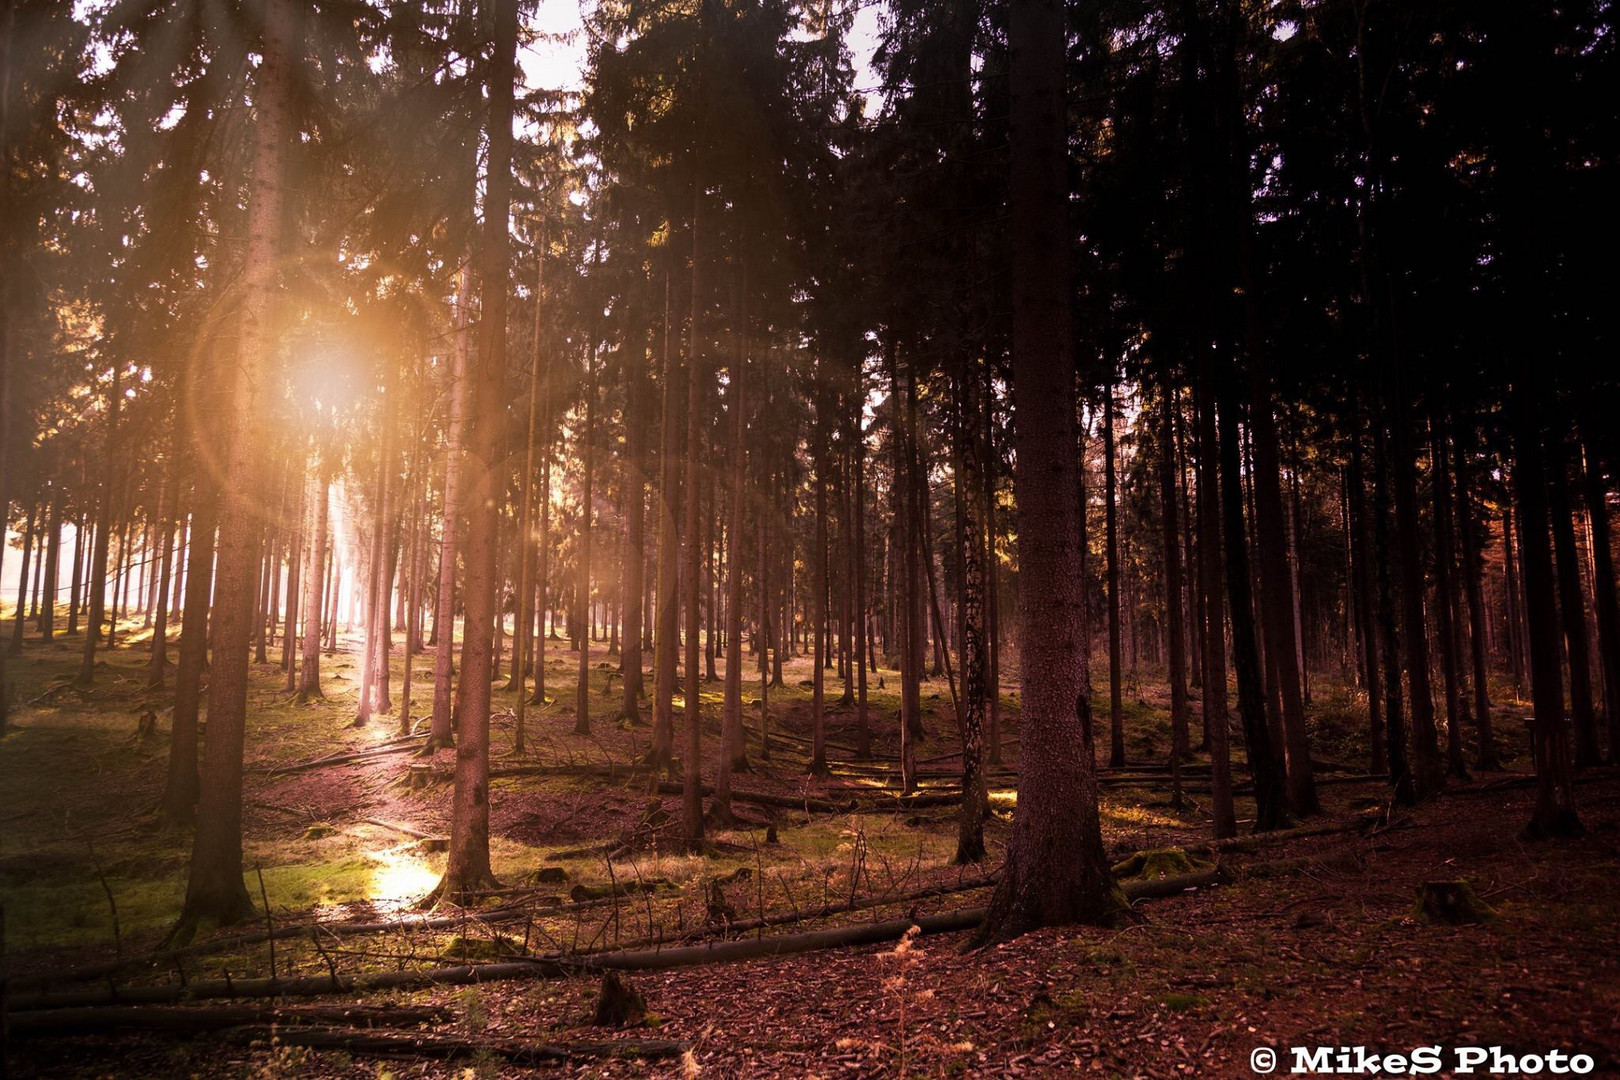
(894, 538)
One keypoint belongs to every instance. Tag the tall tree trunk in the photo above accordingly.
(467, 868)
(1572, 607)
(444, 618)
(863, 727)
(1277, 591)
(1514, 597)
(1446, 621)
(1428, 772)
(818, 606)
(1175, 624)
(379, 580)
(1217, 724)
(1116, 701)
(1366, 623)
(905, 542)
(180, 789)
(8, 32)
(215, 890)
(1468, 525)
(692, 754)
(1554, 813)
(765, 639)
(1055, 871)
(157, 667)
(1267, 773)
(1389, 638)
(53, 558)
(1603, 592)
(635, 561)
(582, 691)
(413, 608)
(97, 575)
(991, 563)
(523, 647)
(734, 752)
(82, 541)
(667, 614)
(19, 624)
(309, 673)
(971, 503)
(295, 569)
(733, 749)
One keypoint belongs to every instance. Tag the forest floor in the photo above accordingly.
(1312, 941)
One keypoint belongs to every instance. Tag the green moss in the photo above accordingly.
(1179, 1002)
(473, 950)
(1158, 863)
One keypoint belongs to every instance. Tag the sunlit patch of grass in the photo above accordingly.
(1139, 816)
(400, 876)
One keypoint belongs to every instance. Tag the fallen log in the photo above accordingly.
(609, 771)
(113, 968)
(745, 926)
(542, 967)
(1256, 841)
(394, 746)
(446, 1049)
(44, 1023)
(764, 798)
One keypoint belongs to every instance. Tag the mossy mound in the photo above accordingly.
(581, 893)
(464, 950)
(1451, 903)
(1158, 863)
(320, 831)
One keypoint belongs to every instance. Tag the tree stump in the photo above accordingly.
(1453, 903)
(618, 1004)
(419, 776)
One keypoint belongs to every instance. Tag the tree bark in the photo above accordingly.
(1116, 701)
(1468, 525)
(1603, 592)
(971, 511)
(1277, 591)
(157, 667)
(309, 674)
(1175, 624)
(1572, 607)
(467, 869)
(52, 544)
(1428, 772)
(635, 561)
(444, 619)
(667, 615)
(1355, 481)
(1554, 814)
(1055, 871)
(215, 891)
(1268, 774)
(692, 754)
(1446, 613)
(582, 690)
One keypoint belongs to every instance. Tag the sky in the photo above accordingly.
(557, 60)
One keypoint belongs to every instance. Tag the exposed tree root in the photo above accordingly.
(444, 1049)
(191, 1018)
